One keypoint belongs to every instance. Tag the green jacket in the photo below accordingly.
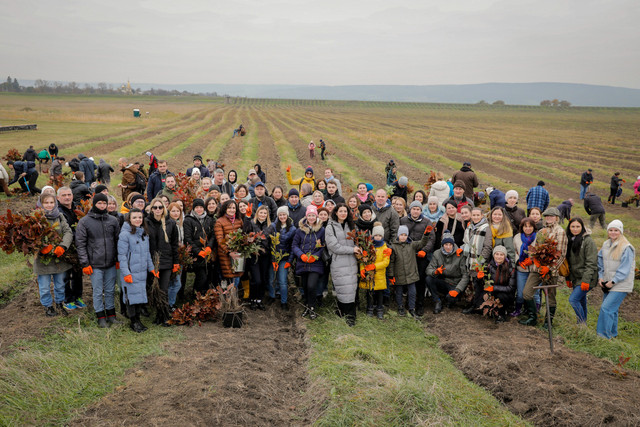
(456, 271)
(583, 265)
(403, 264)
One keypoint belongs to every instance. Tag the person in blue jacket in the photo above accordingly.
(26, 174)
(278, 272)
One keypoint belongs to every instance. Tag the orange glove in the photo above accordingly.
(362, 273)
(392, 281)
(543, 270)
(536, 263)
(117, 266)
(439, 270)
(249, 210)
(46, 249)
(205, 252)
(459, 251)
(59, 251)
(88, 270)
(569, 284)
(275, 266)
(387, 252)
(128, 278)
(454, 294)
(287, 265)
(526, 263)
(288, 168)
(428, 229)
(176, 268)
(489, 289)
(422, 254)
(311, 259)
(155, 273)
(480, 274)
(370, 267)
(304, 258)
(584, 287)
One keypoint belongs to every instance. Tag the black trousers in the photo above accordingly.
(258, 276)
(31, 179)
(310, 284)
(73, 284)
(421, 284)
(438, 287)
(374, 300)
(349, 309)
(612, 195)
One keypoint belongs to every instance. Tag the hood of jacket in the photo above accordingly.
(304, 226)
(440, 185)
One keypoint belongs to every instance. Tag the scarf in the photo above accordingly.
(575, 242)
(363, 198)
(526, 241)
(495, 235)
(378, 243)
(52, 214)
(231, 218)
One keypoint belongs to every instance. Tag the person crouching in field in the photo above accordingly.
(135, 261)
(403, 267)
(375, 290)
(55, 271)
(502, 273)
(447, 273)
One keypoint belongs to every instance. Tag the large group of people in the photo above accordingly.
(440, 249)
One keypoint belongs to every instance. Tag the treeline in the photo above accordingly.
(45, 86)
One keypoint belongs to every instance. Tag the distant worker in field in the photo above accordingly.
(153, 162)
(636, 191)
(56, 167)
(595, 209)
(26, 174)
(129, 172)
(104, 172)
(197, 164)
(306, 179)
(44, 156)
(312, 150)
(468, 178)
(239, 130)
(390, 165)
(4, 181)
(323, 147)
(88, 167)
(615, 187)
(53, 150)
(565, 210)
(537, 197)
(392, 175)
(30, 155)
(496, 197)
(585, 181)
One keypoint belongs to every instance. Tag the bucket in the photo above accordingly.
(232, 319)
(238, 264)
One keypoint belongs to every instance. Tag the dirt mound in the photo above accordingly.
(255, 375)
(514, 364)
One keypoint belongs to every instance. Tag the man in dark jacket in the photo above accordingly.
(468, 178)
(496, 198)
(262, 199)
(447, 273)
(30, 155)
(386, 215)
(73, 279)
(79, 189)
(26, 174)
(332, 193)
(400, 188)
(157, 180)
(53, 150)
(296, 210)
(104, 172)
(585, 181)
(88, 167)
(225, 187)
(197, 163)
(459, 196)
(565, 210)
(96, 241)
(594, 207)
(616, 182)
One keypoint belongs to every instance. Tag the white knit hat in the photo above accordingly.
(616, 223)
(510, 194)
(378, 229)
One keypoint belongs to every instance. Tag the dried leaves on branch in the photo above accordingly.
(186, 190)
(12, 155)
(364, 241)
(204, 308)
(245, 244)
(276, 255)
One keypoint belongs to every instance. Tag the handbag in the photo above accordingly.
(564, 269)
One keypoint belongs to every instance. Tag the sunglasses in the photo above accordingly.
(158, 207)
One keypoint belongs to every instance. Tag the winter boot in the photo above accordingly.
(380, 313)
(532, 314)
(50, 311)
(61, 309)
(370, 311)
(518, 311)
(111, 317)
(552, 312)
(102, 319)
(136, 326)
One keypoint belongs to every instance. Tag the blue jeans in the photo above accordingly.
(608, 318)
(281, 281)
(44, 286)
(103, 281)
(521, 279)
(174, 287)
(583, 191)
(578, 300)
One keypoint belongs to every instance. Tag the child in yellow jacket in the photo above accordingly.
(375, 289)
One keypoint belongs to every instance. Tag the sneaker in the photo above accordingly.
(79, 303)
(412, 313)
(70, 306)
(305, 313)
(312, 313)
(50, 311)
(401, 312)
(370, 312)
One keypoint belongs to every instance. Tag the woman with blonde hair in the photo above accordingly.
(400, 206)
(179, 277)
(259, 265)
(501, 234)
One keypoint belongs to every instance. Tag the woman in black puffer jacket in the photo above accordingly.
(163, 246)
(259, 265)
(198, 225)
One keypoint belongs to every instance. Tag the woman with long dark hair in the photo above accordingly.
(582, 256)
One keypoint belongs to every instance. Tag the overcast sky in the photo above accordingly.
(329, 42)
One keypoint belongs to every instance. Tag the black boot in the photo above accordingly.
(50, 311)
(111, 317)
(136, 326)
(552, 312)
(532, 313)
(102, 319)
(61, 309)
(380, 313)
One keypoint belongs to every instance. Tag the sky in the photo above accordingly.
(329, 42)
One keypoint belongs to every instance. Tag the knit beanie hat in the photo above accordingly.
(432, 199)
(363, 208)
(99, 188)
(46, 187)
(448, 239)
(148, 153)
(510, 194)
(132, 200)
(197, 202)
(215, 187)
(294, 192)
(489, 190)
(458, 184)
(103, 198)
(415, 204)
(500, 248)
(308, 169)
(197, 157)
(403, 230)
(311, 209)
(282, 209)
(369, 186)
(378, 229)
(616, 223)
(403, 180)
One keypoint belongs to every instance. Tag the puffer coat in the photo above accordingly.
(404, 265)
(344, 266)
(97, 239)
(196, 229)
(380, 277)
(223, 227)
(309, 240)
(54, 267)
(583, 265)
(135, 260)
(456, 271)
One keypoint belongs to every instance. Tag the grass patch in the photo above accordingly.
(393, 373)
(49, 380)
(14, 276)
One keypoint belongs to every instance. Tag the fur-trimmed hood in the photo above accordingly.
(303, 225)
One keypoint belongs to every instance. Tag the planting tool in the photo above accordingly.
(546, 288)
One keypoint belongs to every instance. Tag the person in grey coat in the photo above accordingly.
(344, 265)
(135, 261)
(104, 172)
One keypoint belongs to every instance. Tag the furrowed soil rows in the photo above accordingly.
(225, 377)
(268, 154)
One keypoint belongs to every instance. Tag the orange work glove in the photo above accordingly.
(480, 274)
(536, 263)
(543, 270)
(311, 259)
(287, 265)
(370, 267)
(288, 168)
(584, 287)
(155, 273)
(422, 254)
(569, 284)
(362, 273)
(454, 294)
(526, 263)
(275, 266)
(176, 268)
(439, 270)
(88, 270)
(459, 251)
(249, 210)
(59, 251)
(205, 252)
(304, 258)
(392, 281)
(128, 278)
(46, 249)
(117, 266)
(428, 229)
(387, 252)
(489, 289)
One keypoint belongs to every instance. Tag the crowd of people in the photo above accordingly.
(439, 249)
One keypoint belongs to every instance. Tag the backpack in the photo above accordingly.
(141, 182)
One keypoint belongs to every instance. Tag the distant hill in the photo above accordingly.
(510, 93)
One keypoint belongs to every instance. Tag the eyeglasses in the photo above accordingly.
(157, 207)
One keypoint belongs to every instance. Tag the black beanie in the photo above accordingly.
(100, 198)
(137, 197)
(197, 202)
(363, 208)
(100, 188)
(452, 203)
